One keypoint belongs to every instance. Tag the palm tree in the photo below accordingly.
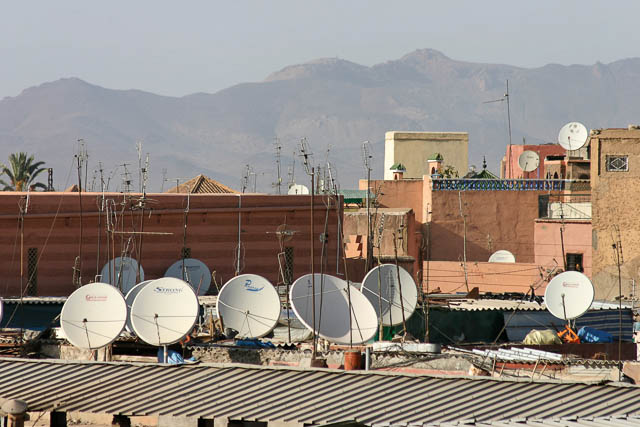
(22, 172)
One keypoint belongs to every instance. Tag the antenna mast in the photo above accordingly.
(278, 183)
(306, 154)
(366, 160)
(81, 158)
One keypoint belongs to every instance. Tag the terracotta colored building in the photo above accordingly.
(61, 232)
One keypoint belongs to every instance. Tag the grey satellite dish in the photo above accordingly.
(334, 321)
(164, 311)
(502, 256)
(93, 316)
(129, 297)
(573, 136)
(250, 305)
(126, 273)
(528, 161)
(298, 189)
(569, 295)
(383, 281)
(195, 272)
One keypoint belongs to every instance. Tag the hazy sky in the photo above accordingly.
(177, 48)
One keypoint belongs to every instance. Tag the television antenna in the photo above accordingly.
(278, 183)
(502, 256)
(93, 316)
(573, 136)
(505, 97)
(568, 296)
(164, 312)
(381, 286)
(341, 323)
(192, 271)
(366, 161)
(250, 305)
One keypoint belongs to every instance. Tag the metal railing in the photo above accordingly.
(471, 184)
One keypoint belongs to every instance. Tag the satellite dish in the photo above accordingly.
(333, 317)
(93, 316)
(298, 189)
(528, 161)
(249, 304)
(383, 280)
(569, 295)
(196, 273)
(502, 256)
(573, 136)
(131, 295)
(126, 272)
(164, 311)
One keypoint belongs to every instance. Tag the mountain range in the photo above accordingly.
(333, 103)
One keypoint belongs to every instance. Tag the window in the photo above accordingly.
(574, 262)
(617, 163)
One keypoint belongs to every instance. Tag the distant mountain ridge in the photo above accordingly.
(332, 102)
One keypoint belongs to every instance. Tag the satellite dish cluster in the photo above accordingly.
(163, 311)
(122, 272)
(572, 136)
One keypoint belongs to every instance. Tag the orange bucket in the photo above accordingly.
(352, 360)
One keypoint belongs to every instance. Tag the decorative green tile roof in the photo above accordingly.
(398, 167)
(436, 156)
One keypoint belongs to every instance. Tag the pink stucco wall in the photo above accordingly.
(576, 236)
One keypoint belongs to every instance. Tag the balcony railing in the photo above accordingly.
(457, 184)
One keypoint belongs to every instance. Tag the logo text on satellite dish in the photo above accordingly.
(95, 297)
(162, 290)
(571, 284)
(252, 288)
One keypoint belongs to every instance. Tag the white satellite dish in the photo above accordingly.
(250, 305)
(502, 256)
(298, 189)
(569, 295)
(126, 272)
(573, 136)
(164, 311)
(528, 161)
(93, 316)
(333, 317)
(129, 297)
(195, 272)
(383, 281)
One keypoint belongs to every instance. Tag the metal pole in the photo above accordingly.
(313, 281)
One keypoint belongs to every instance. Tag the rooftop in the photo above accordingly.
(202, 184)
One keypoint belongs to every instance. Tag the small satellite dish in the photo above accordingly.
(528, 161)
(573, 136)
(333, 317)
(249, 304)
(502, 256)
(569, 295)
(383, 281)
(195, 272)
(126, 272)
(93, 316)
(131, 295)
(298, 189)
(164, 311)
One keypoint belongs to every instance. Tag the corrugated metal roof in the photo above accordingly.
(310, 396)
(470, 304)
(561, 422)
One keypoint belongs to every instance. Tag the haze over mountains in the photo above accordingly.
(329, 101)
